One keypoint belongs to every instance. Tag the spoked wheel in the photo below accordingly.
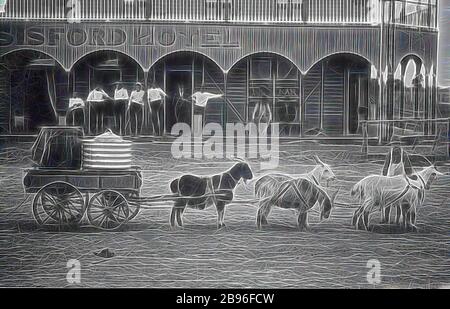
(58, 203)
(134, 204)
(108, 210)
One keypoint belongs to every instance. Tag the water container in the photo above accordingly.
(107, 152)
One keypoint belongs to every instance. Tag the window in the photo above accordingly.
(287, 70)
(261, 69)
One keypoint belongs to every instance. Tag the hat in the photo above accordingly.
(139, 84)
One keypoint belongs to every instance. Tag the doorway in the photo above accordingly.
(182, 74)
(357, 101)
(179, 93)
(106, 79)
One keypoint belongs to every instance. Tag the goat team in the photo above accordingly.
(404, 193)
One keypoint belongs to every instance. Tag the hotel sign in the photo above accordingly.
(147, 43)
(116, 36)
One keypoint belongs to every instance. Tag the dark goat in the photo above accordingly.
(201, 192)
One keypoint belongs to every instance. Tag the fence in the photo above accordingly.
(251, 11)
(71, 9)
(431, 135)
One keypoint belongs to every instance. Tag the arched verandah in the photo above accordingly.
(105, 69)
(181, 74)
(265, 77)
(331, 99)
(338, 93)
(33, 92)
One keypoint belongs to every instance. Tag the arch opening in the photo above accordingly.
(108, 71)
(33, 92)
(410, 89)
(194, 86)
(265, 87)
(340, 91)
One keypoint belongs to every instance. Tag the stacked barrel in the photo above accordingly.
(107, 152)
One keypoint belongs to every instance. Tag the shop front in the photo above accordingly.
(314, 78)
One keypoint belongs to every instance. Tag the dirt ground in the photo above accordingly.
(148, 253)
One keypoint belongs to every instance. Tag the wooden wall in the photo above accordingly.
(4, 100)
(224, 44)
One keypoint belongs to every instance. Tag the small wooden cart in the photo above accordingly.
(107, 199)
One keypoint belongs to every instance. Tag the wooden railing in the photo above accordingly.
(108, 10)
(242, 11)
(75, 10)
(34, 9)
(416, 13)
(410, 132)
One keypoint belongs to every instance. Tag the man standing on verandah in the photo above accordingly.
(121, 98)
(136, 109)
(201, 100)
(97, 100)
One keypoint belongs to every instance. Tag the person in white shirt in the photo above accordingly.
(98, 95)
(75, 113)
(155, 97)
(121, 98)
(97, 99)
(201, 100)
(136, 108)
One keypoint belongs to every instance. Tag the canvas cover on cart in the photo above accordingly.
(58, 147)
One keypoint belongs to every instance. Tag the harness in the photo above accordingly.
(229, 174)
(405, 191)
(315, 180)
(422, 180)
(409, 185)
(290, 184)
(424, 187)
(210, 190)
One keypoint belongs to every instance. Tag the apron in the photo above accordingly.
(396, 169)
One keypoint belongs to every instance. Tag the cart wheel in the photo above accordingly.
(58, 203)
(133, 205)
(108, 210)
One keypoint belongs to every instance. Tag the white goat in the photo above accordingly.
(380, 192)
